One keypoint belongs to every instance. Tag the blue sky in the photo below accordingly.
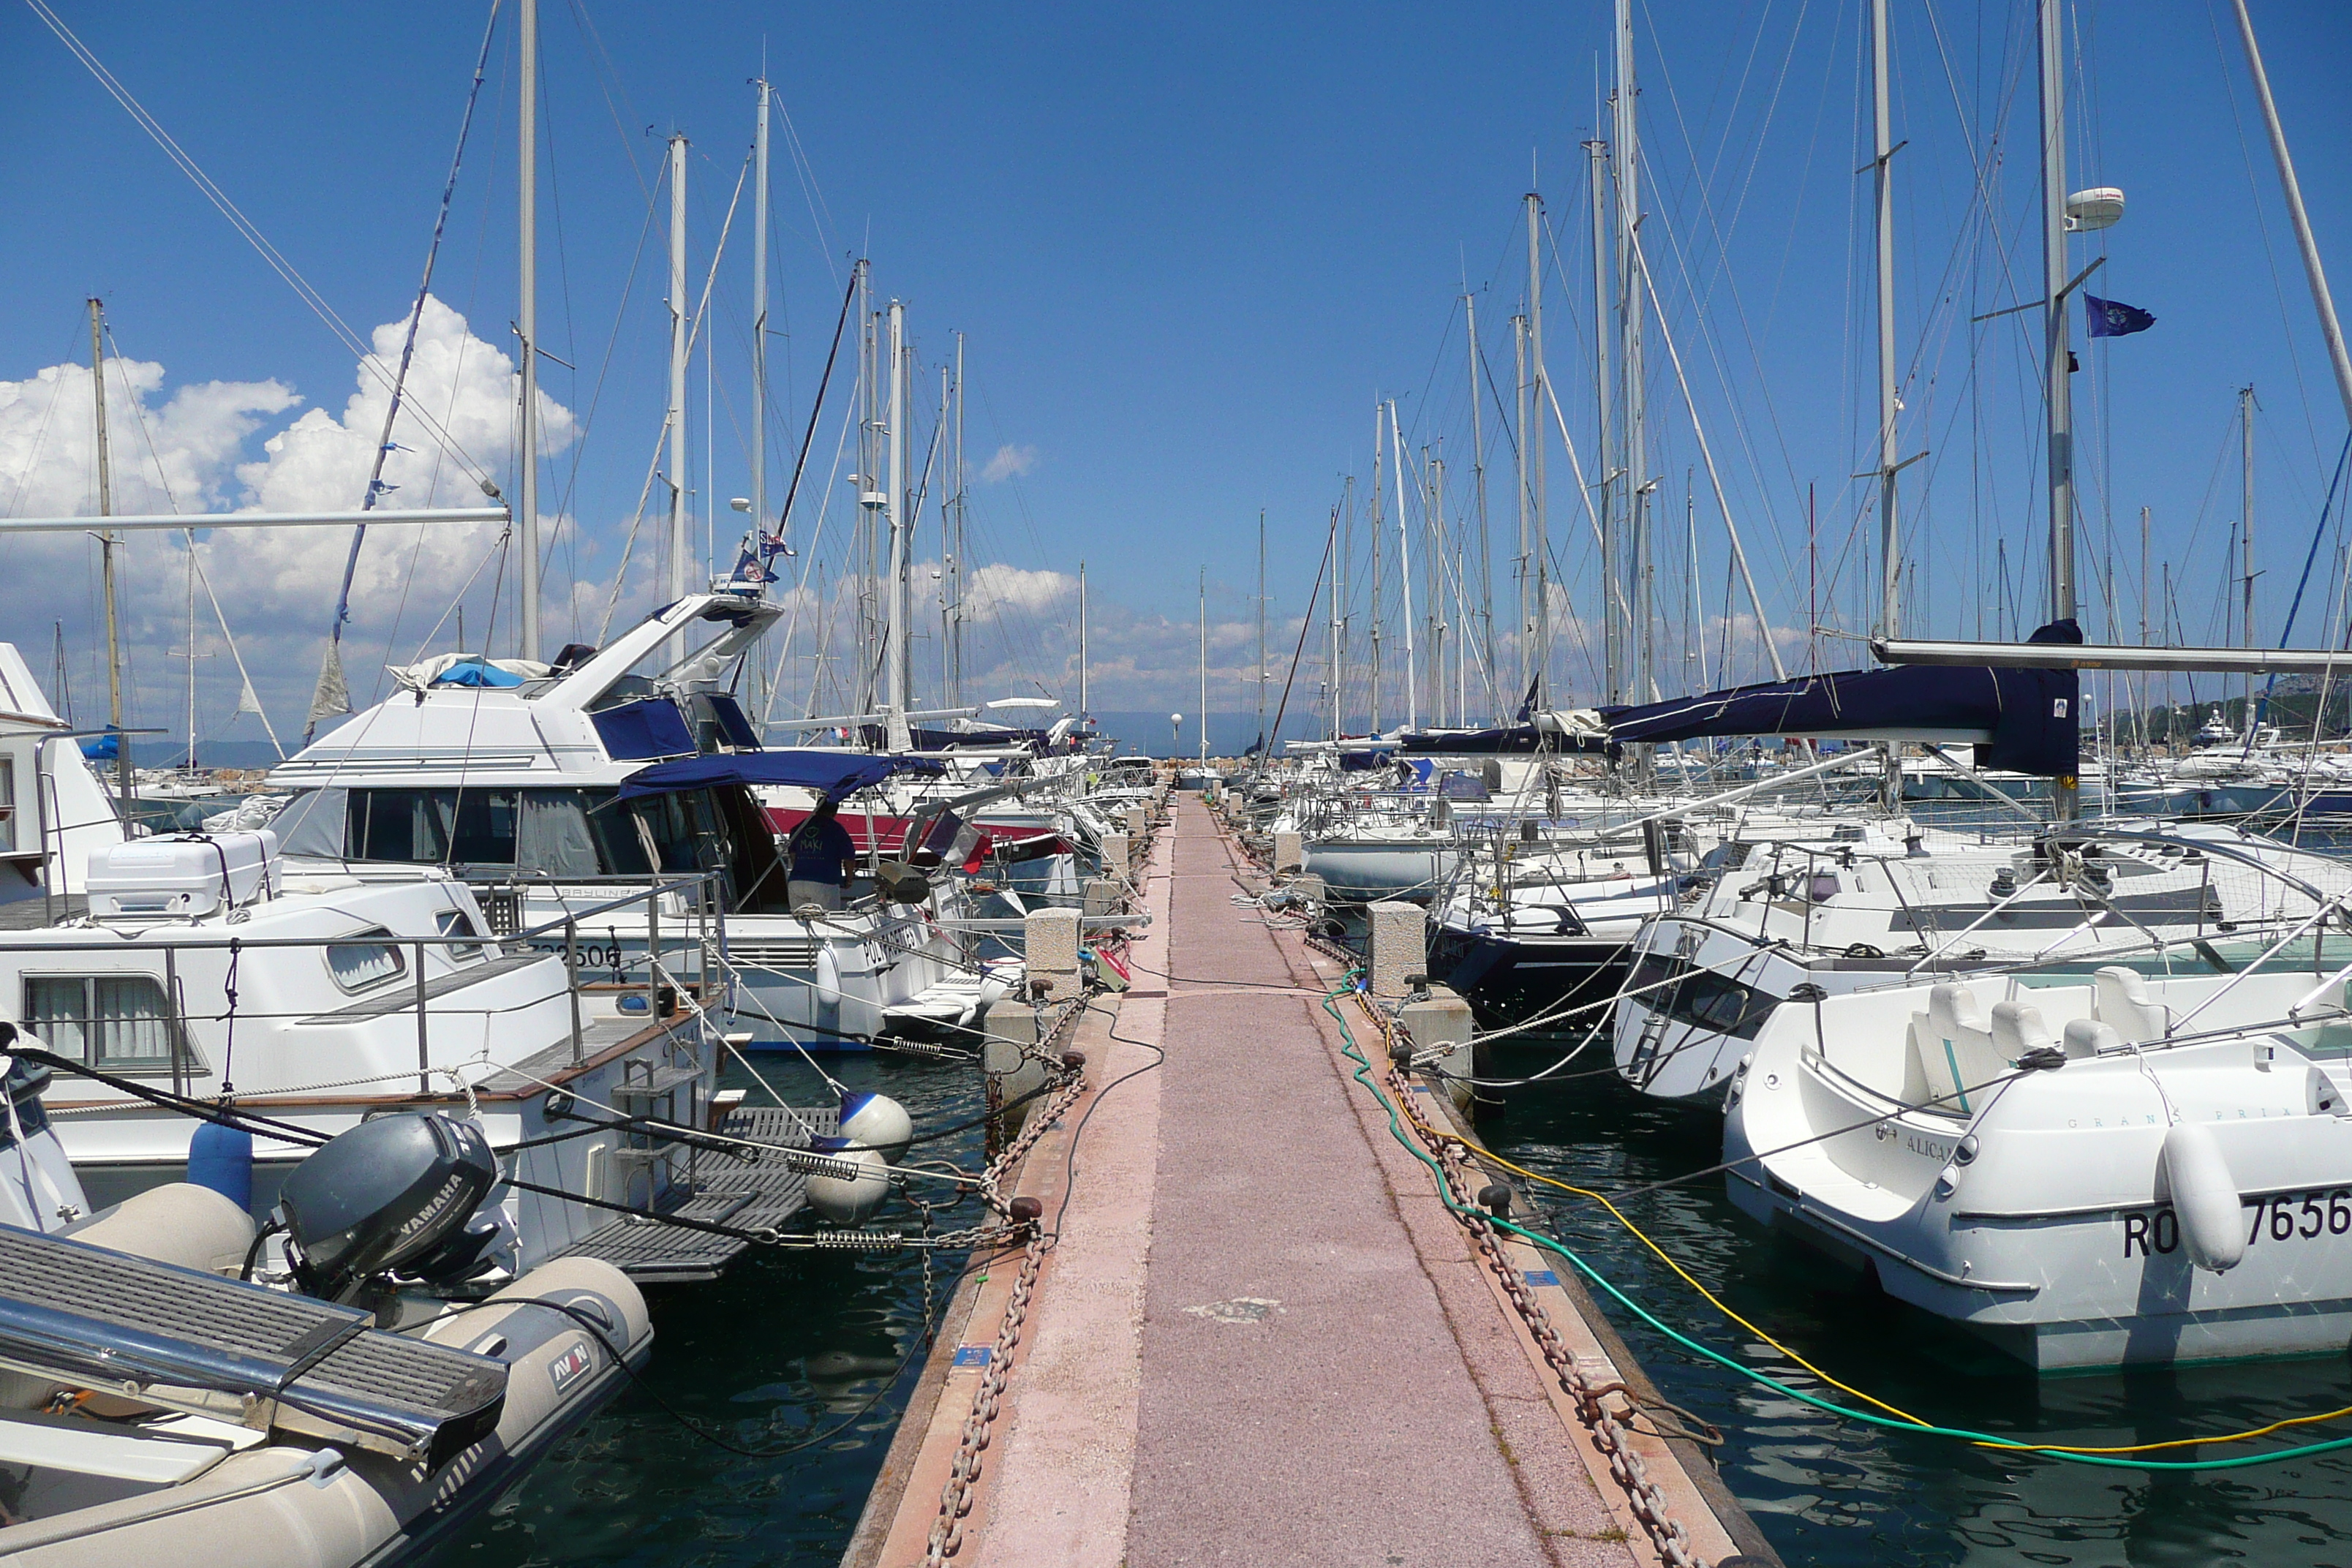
(1190, 249)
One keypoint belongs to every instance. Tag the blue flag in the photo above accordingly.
(2113, 318)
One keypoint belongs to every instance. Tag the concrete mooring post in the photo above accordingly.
(1289, 853)
(1443, 1019)
(1400, 947)
(1050, 952)
(1118, 858)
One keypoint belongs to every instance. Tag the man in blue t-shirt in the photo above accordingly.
(822, 859)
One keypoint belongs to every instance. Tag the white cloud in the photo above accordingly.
(1009, 462)
(992, 590)
(179, 452)
(193, 452)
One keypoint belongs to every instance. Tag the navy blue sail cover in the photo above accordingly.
(836, 775)
(2029, 719)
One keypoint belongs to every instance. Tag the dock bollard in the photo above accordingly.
(1400, 947)
(1118, 858)
(1443, 1019)
(1289, 853)
(1049, 940)
(1011, 1023)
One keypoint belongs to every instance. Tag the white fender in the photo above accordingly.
(851, 1200)
(828, 975)
(2204, 1196)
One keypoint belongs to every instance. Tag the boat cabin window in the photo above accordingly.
(456, 922)
(121, 1023)
(562, 835)
(362, 964)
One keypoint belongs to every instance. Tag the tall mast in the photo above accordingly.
(1525, 562)
(1338, 547)
(2058, 356)
(948, 676)
(190, 538)
(1377, 522)
(1612, 571)
(2246, 534)
(870, 498)
(677, 522)
(893, 663)
(527, 324)
(107, 541)
(955, 564)
(1631, 310)
(1478, 483)
(1204, 667)
(759, 325)
(1890, 545)
(1261, 630)
(2314, 273)
(1433, 516)
(1082, 639)
(1539, 536)
(1404, 576)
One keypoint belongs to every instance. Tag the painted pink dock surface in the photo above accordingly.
(1260, 1338)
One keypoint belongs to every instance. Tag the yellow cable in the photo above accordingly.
(1717, 1302)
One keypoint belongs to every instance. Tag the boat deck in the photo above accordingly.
(749, 1191)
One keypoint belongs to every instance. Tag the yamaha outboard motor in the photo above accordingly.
(393, 1194)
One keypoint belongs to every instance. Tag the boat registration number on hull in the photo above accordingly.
(2278, 1219)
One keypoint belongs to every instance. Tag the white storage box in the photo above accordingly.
(182, 875)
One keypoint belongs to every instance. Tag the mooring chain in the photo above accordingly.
(1647, 1499)
(955, 1498)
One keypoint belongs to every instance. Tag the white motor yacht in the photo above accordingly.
(509, 777)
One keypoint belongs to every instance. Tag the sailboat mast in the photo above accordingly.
(1433, 516)
(893, 663)
(1628, 172)
(190, 538)
(2058, 356)
(1082, 640)
(1890, 539)
(1339, 546)
(1525, 564)
(1204, 667)
(527, 325)
(1612, 612)
(107, 541)
(1883, 162)
(760, 324)
(677, 308)
(2330, 329)
(2246, 535)
(1478, 483)
(1261, 628)
(950, 678)
(1377, 522)
(955, 563)
(1538, 533)
(1404, 576)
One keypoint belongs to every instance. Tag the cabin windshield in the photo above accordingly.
(568, 835)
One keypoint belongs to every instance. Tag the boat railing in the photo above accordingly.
(704, 937)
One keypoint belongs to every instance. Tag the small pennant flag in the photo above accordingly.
(247, 702)
(2113, 318)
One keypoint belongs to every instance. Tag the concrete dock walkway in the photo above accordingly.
(1259, 1338)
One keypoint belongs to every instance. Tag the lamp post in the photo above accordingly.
(1176, 734)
